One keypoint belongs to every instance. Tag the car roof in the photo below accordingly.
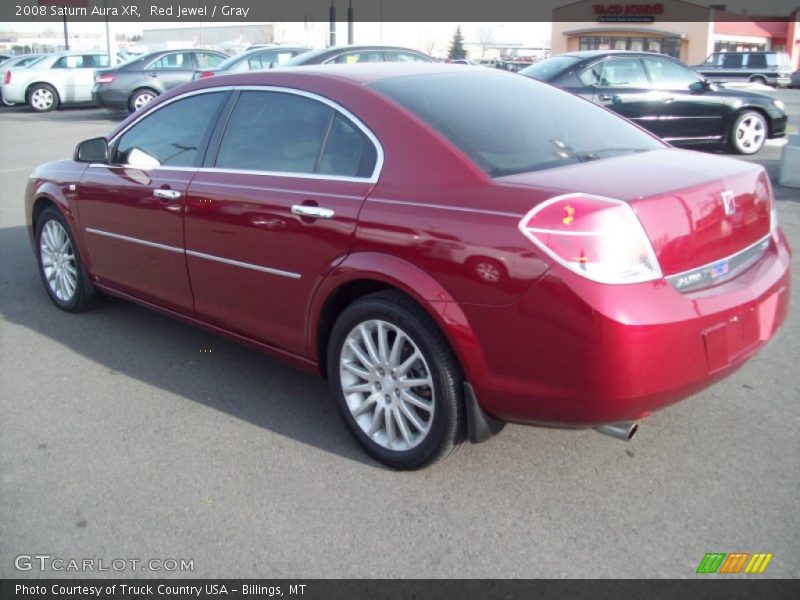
(76, 52)
(598, 53)
(339, 49)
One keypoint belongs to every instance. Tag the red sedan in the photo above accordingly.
(453, 249)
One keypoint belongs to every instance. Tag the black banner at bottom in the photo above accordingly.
(379, 589)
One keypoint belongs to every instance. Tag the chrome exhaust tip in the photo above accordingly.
(624, 430)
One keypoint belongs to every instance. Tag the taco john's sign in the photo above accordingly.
(627, 12)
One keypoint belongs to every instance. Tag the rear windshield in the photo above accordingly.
(550, 68)
(507, 123)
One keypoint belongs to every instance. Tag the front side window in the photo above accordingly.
(170, 136)
(508, 124)
(288, 133)
(668, 75)
(405, 57)
(69, 62)
(623, 72)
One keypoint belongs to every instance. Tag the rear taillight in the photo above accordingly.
(104, 78)
(204, 74)
(7, 78)
(598, 238)
(763, 193)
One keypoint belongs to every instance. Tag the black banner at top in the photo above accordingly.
(242, 11)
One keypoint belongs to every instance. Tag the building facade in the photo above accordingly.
(680, 29)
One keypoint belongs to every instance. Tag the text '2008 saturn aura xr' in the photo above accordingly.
(453, 249)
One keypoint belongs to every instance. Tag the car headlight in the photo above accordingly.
(779, 104)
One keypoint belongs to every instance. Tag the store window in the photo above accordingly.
(738, 47)
(669, 46)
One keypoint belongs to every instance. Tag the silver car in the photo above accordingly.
(58, 79)
(22, 60)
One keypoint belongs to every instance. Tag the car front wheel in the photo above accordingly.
(43, 98)
(397, 384)
(60, 265)
(748, 132)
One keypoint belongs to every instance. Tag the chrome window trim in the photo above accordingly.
(479, 211)
(379, 153)
(227, 261)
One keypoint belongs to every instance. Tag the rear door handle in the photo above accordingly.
(314, 212)
(167, 194)
(152, 74)
(669, 99)
(605, 97)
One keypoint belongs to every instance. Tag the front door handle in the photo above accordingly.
(605, 97)
(167, 194)
(313, 212)
(152, 74)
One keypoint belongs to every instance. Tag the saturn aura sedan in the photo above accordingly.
(328, 215)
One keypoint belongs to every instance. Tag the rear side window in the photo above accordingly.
(757, 61)
(179, 60)
(666, 74)
(732, 61)
(509, 124)
(206, 60)
(288, 133)
(170, 136)
(359, 57)
(405, 57)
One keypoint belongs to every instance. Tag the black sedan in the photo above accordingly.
(666, 97)
(255, 59)
(136, 83)
(357, 54)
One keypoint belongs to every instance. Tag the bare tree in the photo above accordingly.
(429, 42)
(485, 39)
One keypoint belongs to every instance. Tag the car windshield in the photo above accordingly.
(510, 124)
(549, 68)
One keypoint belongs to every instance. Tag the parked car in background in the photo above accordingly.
(55, 80)
(257, 59)
(767, 68)
(138, 82)
(4, 57)
(20, 61)
(341, 218)
(357, 54)
(795, 82)
(666, 97)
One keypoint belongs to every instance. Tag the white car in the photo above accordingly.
(55, 80)
(23, 60)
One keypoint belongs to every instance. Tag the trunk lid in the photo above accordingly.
(696, 208)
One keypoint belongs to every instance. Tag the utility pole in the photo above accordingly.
(332, 34)
(350, 23)
(66, 34)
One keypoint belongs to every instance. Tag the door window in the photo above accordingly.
(405, 57)
(623, 72)
(69, 62)
(359, 57)
(756, 61)
(668, 75)
(732, 61)
(170, 136)
(288, 133)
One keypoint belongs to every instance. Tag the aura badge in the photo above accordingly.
(728, 202)
(733, 563)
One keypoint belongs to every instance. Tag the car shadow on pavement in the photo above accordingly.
(177, 358)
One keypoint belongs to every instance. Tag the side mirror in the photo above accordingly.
(93, 150)
(698, 87)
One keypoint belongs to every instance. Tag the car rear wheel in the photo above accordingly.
(140, 99)
(60, 265)
(43, 98)
(397, 384)
(748, 132)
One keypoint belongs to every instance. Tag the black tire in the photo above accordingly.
(84, 295)
(447, 425)
(760, 79)
(741, 144)
(134, 102)
(43, 97)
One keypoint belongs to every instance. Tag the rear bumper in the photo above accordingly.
(574, 353)
(109, 98)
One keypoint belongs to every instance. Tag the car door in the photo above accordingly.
(132, 209)
(75, 77)
(687, 108)
(623, 87)
(274, 211)
(170, 70)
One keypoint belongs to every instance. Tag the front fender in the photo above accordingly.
(417, 284)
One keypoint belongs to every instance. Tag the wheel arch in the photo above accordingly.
(760, 110)
(142, 88)
(29, 88)
(367, 272)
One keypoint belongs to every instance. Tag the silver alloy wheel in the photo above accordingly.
(58, 261)
(42, 98)
(488, 272)
(750, 133)
(387, 385)
(143, 99)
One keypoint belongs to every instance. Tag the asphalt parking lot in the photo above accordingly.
(127, 435)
